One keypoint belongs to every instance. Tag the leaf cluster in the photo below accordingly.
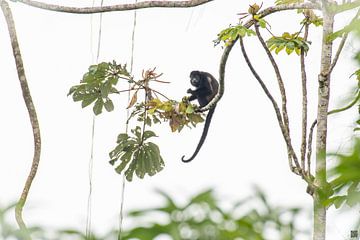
(289, 42)
(136, 154)
(178, 114)
(230, 34)
(346, 178)
(97, 84)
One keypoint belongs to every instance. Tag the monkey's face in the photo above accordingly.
(195, 80)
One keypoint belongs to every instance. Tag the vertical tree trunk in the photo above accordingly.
(321, 134)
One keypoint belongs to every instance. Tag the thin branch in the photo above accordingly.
(304, 102)
(285, 117)
(112, 8)
(338, 52)
(341, 45)
(338, 110)
(271, 98)
(32, 115)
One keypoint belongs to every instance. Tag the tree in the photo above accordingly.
(143, 157)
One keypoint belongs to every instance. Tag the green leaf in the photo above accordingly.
(132, 167)
(109, 106)
(279, 48)
(289, 50)
(148, 134)
(87, 100)
(122, 137)
(140, 164)
(189, 109)
(98, 106)
(105, 89)
(72, 90)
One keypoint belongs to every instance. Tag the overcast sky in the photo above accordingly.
(244, 145)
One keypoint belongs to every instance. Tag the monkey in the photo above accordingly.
(206, 87)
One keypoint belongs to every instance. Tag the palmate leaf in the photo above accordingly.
(97, 84)
(289, 42)
(135, 155)
(228, 35)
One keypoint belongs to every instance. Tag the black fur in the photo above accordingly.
(206, 89)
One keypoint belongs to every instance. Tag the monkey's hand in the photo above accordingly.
(189, 91)
(185, 99)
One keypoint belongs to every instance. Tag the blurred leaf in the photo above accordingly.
(346, 177)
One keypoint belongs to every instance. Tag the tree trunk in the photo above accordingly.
(321, 134)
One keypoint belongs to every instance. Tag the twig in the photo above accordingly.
(291, 152)
(32, 115)
(118, 7)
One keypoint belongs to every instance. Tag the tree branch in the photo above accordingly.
(118, 7)
(285, 117)
(221, 90)
(32, 115)
(273, 101)
(304, 103)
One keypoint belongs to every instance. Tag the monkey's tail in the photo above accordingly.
(203, 136)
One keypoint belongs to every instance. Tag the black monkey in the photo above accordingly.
(206, 87)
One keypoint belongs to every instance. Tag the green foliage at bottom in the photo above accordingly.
(202, 217)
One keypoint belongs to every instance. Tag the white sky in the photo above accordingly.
(244, 145)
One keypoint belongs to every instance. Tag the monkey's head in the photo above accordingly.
(195, 78)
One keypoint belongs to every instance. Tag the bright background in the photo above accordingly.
(244, 145)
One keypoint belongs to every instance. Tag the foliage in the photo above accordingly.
(346, 178)
(202, 218)
(97, 84)
(231, 33)
(140, 156)
(289, 42)
(134, 153)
